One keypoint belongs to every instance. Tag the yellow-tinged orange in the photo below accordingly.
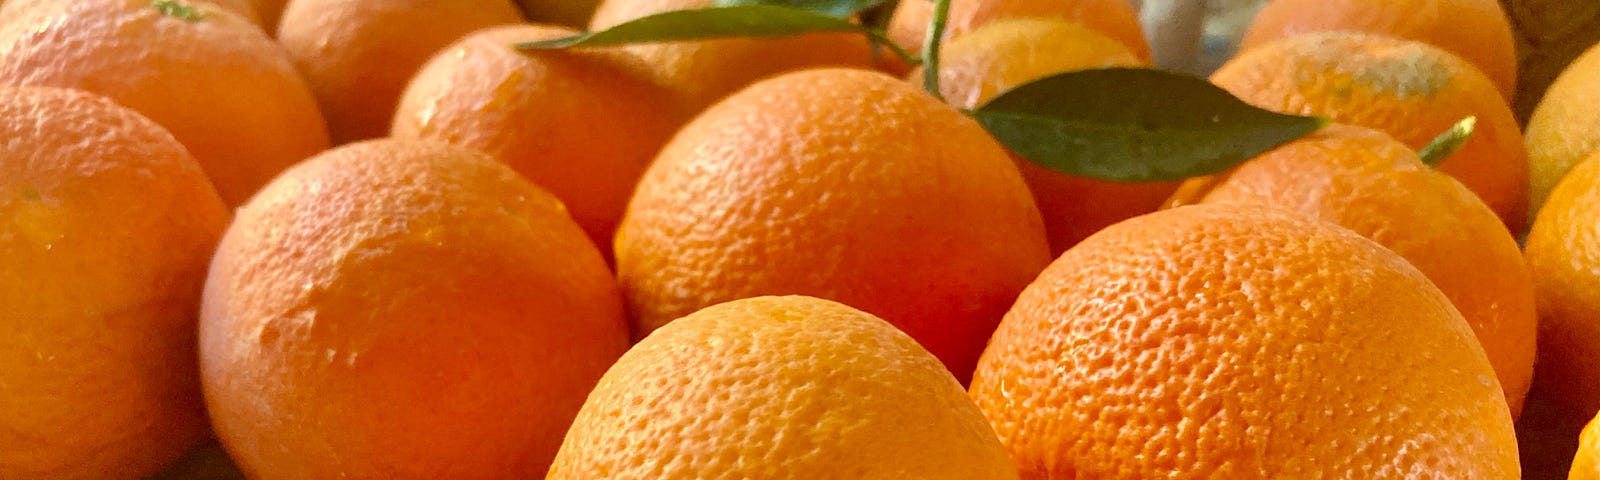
(1475, 30)
(779, 388)
(1236, 341)
(212, 78)
(702, 72)
(403, 309)
(995, 57)
(1366, 181)
(1586, 465)
(357, 55)
(583, 124)
(1565, 127)
(848, 185)
(1410, 90)
(106, 226)
(1114, 18)
(1563, 249)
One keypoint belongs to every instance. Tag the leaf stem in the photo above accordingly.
(1448, 142)
(930, 48)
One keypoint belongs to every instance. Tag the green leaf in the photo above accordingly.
(1135, 125)
(832, 8)
(754, 20)
(1448, 142)
(175, 9)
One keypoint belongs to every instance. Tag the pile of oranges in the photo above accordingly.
(374, 239)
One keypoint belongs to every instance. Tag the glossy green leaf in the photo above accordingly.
(754, 20)
(832, 8)
(1135, 125)
(1448, 142)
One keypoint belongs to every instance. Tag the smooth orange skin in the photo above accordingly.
(1586, 464)
(1117, 19)
(1233, 341)
(1475, 30)
(1009, 52)
(357, 55)
(220, 85)
(1563, 249)
(702, 72)
(1410, 90)
(241, 7)
(403, 309)
(108, 227)
(583, 124)
(1366, 181)
(842, 184)
(1564, 128)
(780, 388)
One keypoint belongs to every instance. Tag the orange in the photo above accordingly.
(216, 81)
(1586, 465)
(357, 55)
(1117, 19)
(1563, 249)
(108, 225)
(270, 11)
(571, 13)
(241, 7)
(779, 387)
(1236, 341)
(1411, 90)
(702, 72)
(1475, 30)
(403, 309)
(1363, 180)
(1564, 127)
(582, 123)
(842, 184)
(977, 66)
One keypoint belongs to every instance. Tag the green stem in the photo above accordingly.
(1448, 142)
(930, 48)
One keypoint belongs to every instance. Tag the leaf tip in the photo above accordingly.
(1442, 146)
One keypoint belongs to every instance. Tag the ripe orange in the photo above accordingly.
(571, 13)
(702, 72)
(270, 11)
(241, 7)
(217, 82)
(108, 227)
(1114, 18)
(357, 55)
(1005, 53)
(779, 387)
(1586, 465)
(1365, 181)
(1564, 128)
(843, 184)
(1233, 341)
(1475, 30)
(1411, 90)
(1563, 249)
(582, 123)
(403, 309)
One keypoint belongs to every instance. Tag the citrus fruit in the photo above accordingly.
(214, 80)
(1237, 341)
(843, 184)
(357, 55)
(1411, 90)
(270, 11)
(582, 123)
(1114, 18)
(997, 56)
(1475, 30)
(1564, 128)
(108, 226)
(403, 309)
(1363, 180)
(571, 13)
(781, 388)
(702, 72)
(241, 7)
(1563, 250)
(1586, 465)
